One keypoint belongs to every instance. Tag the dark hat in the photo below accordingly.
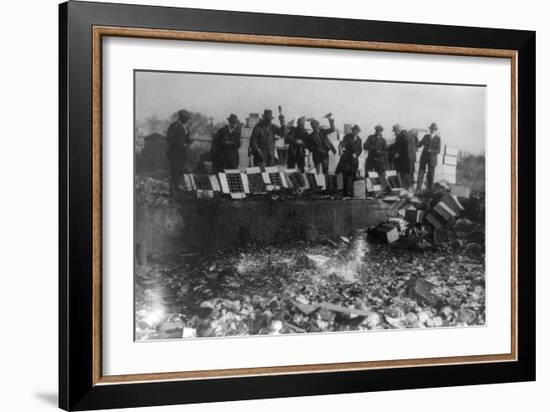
(184, 113)
(268, 114)
(355, 127)
(433, 126)
(233, 118)
(378, 128)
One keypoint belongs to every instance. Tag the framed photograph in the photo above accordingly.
(257, 205)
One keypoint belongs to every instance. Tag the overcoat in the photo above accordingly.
(432, 147)
(225, 148)
(377, 149)
(350, 144)
(262, 143)
(405, 146)
(179, 140)
(319, 144)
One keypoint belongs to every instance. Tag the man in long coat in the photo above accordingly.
(262, 140)
(431, 144)
(296, 139)
(179, 141)
(225, 145)
(348, 165)
(320, 145)
(377, 152)
(405, 155)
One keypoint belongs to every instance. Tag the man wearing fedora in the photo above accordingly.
(348, 165)
(405, 155)
(320, 145)
(179, 141)
(431, 144)
(262, 139)
(296, 139)
(225, 145)
(377, 149)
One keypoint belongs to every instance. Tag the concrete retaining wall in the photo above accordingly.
(214, 224)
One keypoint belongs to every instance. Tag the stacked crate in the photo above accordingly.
(446, 165)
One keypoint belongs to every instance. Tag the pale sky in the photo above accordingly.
(459, 111)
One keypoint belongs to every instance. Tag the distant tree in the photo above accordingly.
(470, 170)
(201, 126)
(156, 125)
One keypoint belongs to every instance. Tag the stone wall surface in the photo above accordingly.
(214, 224)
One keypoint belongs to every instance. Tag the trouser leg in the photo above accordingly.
(291, 161)
(368, 167)
(411, 174)
(270, 161)
(404, 179)
(233, 160)
(420, 181)
(259, 162)
(175, 176)
(381, 171)
(351, 180)
(301, 162)
(431, 171)
(325, 165)
(318, 167)
(321, 165)
(348, 184)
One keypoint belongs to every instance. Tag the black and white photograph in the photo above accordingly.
(271, 206)
(285, 205)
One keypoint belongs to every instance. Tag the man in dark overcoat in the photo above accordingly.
(262, 140)
(320, 145)
(226, 144)
(405, 155)
(179, 141)
(431, 144)
(348, 165)
(296, 139)
(377, 149)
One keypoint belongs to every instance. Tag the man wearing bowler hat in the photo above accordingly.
(349, 161)
(225, 145)
(179, 141)
(377, 152)
(262, 139)
(432, 147)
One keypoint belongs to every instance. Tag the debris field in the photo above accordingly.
(421, 278)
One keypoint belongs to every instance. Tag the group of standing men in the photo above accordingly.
(227, 141)
(402, 154)
(298, 138)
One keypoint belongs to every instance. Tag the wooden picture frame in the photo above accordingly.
(82, 385)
